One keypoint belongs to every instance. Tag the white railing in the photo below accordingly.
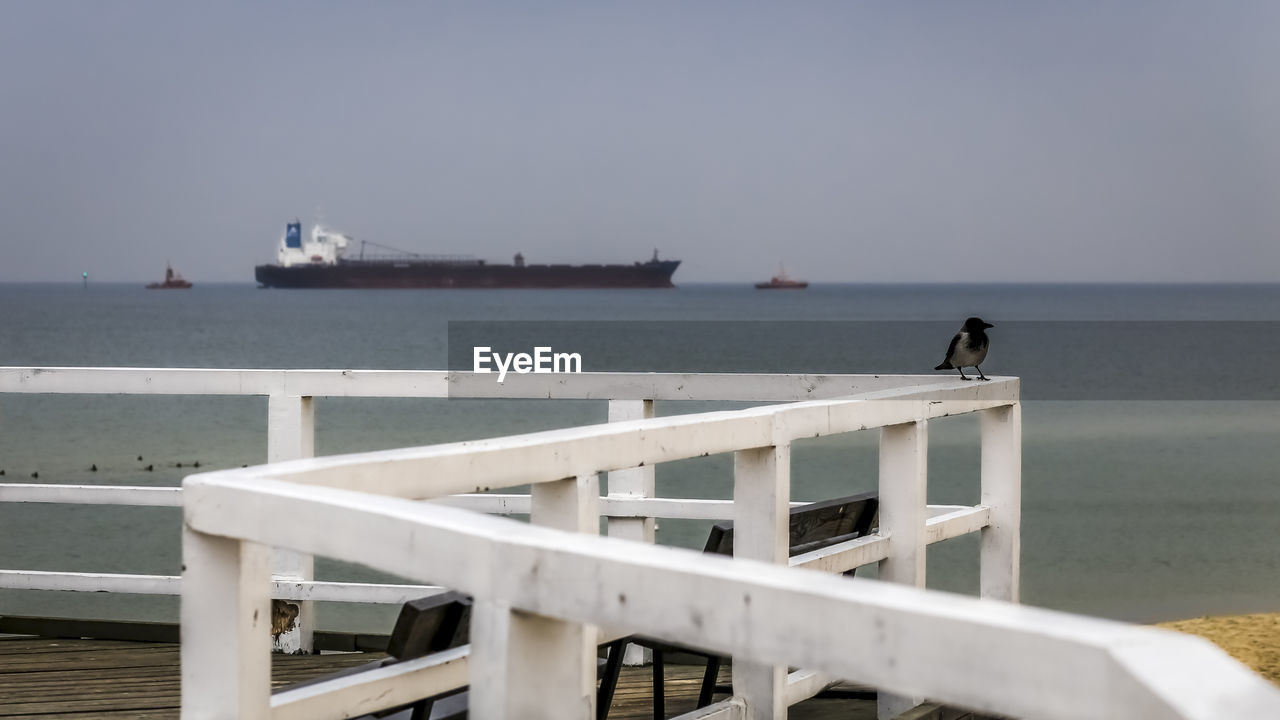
(542, 590)
(631, 505)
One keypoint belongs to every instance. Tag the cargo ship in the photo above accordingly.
(321, 261)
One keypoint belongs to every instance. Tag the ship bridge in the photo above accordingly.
(324, 247)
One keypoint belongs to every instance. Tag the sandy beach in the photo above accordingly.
(1252, 639)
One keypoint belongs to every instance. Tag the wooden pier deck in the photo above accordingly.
(76, 679)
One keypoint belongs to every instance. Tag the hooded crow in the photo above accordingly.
(968, 348)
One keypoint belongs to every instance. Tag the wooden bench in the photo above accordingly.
(811, 527)
(425, 626)
(443, 621)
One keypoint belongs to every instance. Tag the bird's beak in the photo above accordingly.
(986, 325)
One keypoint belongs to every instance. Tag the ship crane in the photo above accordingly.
(399, 254)
(396, 250)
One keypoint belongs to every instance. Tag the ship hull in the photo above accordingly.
(466, 276)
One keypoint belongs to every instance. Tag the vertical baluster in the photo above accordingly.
(761, 501)
(1002, 492)
(225, 615)
(532, 666)
(633, 483)
(903, 513)
(291, 436)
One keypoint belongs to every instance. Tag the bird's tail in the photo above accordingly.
(945, 366)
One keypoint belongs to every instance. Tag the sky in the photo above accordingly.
(855, 141)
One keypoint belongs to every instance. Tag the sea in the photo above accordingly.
(1151, 421)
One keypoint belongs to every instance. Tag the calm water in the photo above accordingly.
(1151, 488)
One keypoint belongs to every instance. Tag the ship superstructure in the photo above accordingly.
(324, 246)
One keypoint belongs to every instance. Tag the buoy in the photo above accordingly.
(35, 474)
(1, 472)
(139, 458)
(93, 468)
(178, 465)
(150, 468)
(195, 464)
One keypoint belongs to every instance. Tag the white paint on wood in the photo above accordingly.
(958, 522)
(374, 689)
(89, 582)
(211, 381)
(752, 387)
(226, 625)
(91, 494)
(611, 507)
(634, 440)
(328, 591)
(761, 496)
(908, 641)
(536, 666)
(616, 508)
(528, 666)
(749, 387)
(631, 483)
(291, 428)
(291, 434)
(804, 684)
(491, 503)
(903, 492)
(572, 505)
(312, 590)
(846, 555)
(903, 488)
(482, 465)
(631, 486)
(732, 708)
(1001, 553)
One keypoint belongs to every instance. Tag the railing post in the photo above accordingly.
(528, 665)
(633, 483)
(291, 435)
(1002, 492)
(225, 651)
(903, 513)
(761, 504)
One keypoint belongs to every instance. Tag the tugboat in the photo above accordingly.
(782, 282)
(172, 281)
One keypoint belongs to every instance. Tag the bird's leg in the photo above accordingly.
(962, 375)
(980, 375)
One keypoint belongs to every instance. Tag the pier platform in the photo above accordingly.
(79, 679)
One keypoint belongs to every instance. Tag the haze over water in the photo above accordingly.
(1137, 507)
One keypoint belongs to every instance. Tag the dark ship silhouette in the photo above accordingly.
(172, 281)
(782, 281)
(321, 262)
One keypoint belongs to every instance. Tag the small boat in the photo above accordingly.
(172, 281)
(782, 282)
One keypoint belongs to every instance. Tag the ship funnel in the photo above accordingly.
(293, 235)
